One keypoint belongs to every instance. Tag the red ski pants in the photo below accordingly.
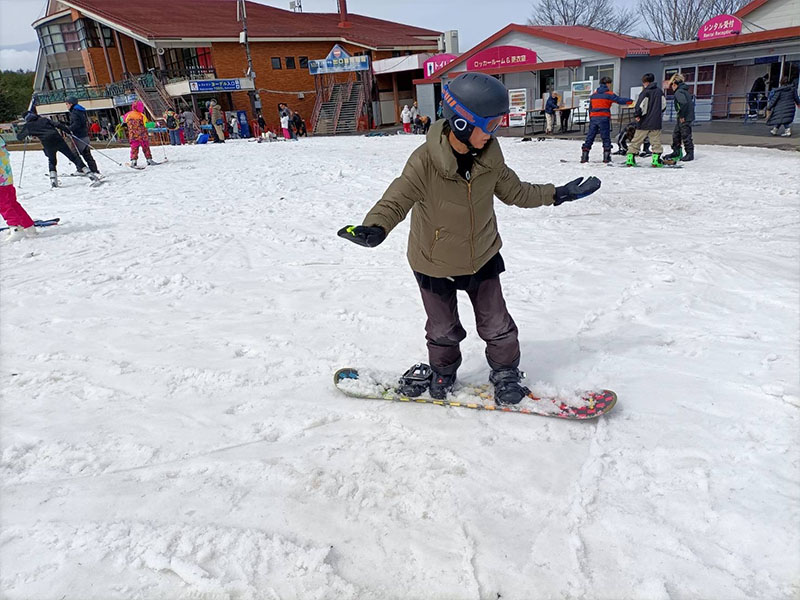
(11, 210)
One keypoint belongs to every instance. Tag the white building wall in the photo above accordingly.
(775, 14)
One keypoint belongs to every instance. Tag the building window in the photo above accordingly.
(65, 79)
(598, 72)
(89, 34)
(276, 62)
(290, 62)
(60, 37)
(699, 79)
(303, 62)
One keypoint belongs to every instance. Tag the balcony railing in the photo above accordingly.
(81, 93)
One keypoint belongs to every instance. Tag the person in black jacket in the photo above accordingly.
(684, 117)
(48, 133)
(79, 128)
(650, 105)
(757, 98)
(782, 103)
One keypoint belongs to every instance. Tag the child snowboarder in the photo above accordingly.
(650, 107)
(684, 109)
(137, 133)
(600, 119)
(19, 221)
(449, 184)
(52, 143)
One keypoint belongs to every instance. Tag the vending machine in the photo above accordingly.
(518, 107)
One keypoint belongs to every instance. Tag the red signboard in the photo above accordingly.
(719, 27)
(501, 56)
(436, 62)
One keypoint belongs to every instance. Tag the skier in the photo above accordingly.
(600, 119)
(19, 221)
(137, 133)
(782, 104)
(650, 107)
(52, 143)
(684, 109)
(448, 184)
(79, 128)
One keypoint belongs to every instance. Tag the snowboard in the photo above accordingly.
(39, 223)
(373, 386)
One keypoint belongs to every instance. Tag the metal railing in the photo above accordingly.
(81, 93)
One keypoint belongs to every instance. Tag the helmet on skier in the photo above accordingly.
(474, 100)
(138, 106)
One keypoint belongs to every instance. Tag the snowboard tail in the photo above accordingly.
(589, 405)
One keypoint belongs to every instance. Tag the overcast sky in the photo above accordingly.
(475, 20)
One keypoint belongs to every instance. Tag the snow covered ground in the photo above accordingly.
(170, 429)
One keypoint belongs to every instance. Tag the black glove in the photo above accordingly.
(575, 189)
(363, 235)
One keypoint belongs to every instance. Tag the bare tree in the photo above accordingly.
(601, 14)
(670, 20)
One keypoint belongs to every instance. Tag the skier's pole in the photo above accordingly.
(22, 168)
(96, 150)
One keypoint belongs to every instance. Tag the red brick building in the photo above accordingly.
(184, 52)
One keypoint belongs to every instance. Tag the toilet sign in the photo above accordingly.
(436, 62)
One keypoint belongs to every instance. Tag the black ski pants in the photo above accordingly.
(493, 322)
(54, 144)
(682, 134)
(82, 146)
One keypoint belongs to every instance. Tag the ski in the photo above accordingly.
(588, 405)
(132, 166)
(40, 223)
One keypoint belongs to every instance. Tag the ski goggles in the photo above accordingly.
(465, 117)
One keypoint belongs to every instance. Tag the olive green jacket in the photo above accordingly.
(453, 225)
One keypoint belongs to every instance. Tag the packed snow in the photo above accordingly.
(170, 428)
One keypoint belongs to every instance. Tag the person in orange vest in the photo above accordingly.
(600, 118)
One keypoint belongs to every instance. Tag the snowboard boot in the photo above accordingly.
(787, 132)
(657, 161)
(688, 156)
(606, 155)
(415, 381)
(53, 179)
(507, 387)
(675, 155)
(441, 385)
(630, 160)
(585, 156)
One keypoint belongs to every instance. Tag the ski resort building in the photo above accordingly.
(185, 52)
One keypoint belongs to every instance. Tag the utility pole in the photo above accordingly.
(241, 15)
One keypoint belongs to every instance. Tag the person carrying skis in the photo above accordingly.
(137, 133)
(47, 132)
(448, 185)
(600, 119)
(19, 221)
(782, 103)
(79, 129)
(650, 107)
(684, 109)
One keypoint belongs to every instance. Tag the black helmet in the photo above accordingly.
(72, 100)
(474, 100)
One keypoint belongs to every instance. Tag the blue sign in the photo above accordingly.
(214, 85)
(338, 61)
(124, 99)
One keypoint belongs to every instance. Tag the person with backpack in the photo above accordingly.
(650, 107)
(782, 105)
(684, 117)
(600, 119)
(79, 129)
(173, 127)
(449, 184)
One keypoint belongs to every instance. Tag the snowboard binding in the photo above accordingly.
(415, 381)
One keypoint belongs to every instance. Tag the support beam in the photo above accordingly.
(139, 56)
(396, 96)
(105, 54)
(121, 52)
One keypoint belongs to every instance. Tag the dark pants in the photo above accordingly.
(564, 119)
(683, 134)
(494, 324)
(174, 137)
(601, 125)
(82, 146)
(54, 144)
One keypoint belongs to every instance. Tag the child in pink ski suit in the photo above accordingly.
(137, 132)
(19, 221)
